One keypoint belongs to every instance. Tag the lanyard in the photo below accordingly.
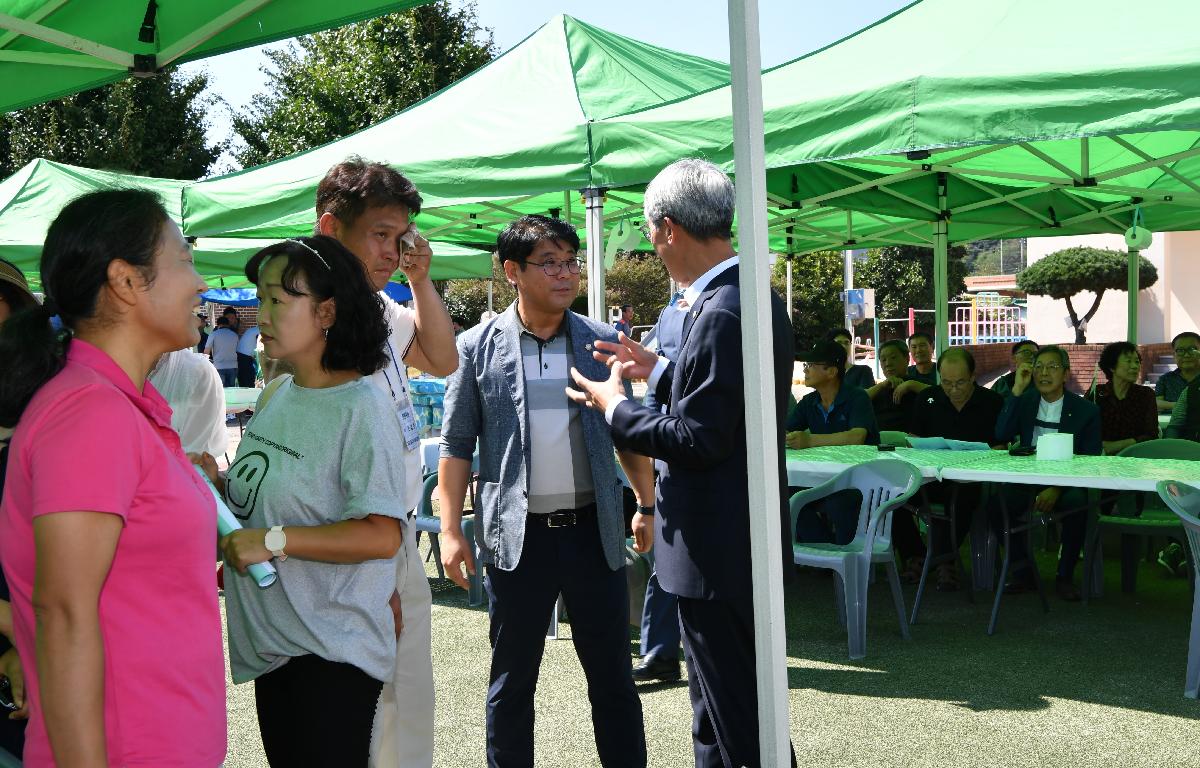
(399, 376)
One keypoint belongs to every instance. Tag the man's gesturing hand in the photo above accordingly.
(597, 394)
(457, 557)
(414, 261)
(639, 361)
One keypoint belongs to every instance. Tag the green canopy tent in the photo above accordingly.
(33, 196)
(511, 138)
(52, 48)
(911, 132)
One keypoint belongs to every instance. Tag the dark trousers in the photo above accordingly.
(228, 376)
(833, 519)
(660, 622)
(246, 373)
(316, 712)
(718, 647)
(906, 536)
(969, 497)
(1019, 499)
(567, 561)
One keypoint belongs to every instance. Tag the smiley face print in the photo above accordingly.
(243, 482)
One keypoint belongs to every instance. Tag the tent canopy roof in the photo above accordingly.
(52, 48)
(1075, 112)
(32, 197)
(516, 128)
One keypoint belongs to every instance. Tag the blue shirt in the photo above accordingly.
(1170, 386)
(851, 409)
(860, 376)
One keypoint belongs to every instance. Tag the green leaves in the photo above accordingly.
(326, 86)
(902, 277)
(1065, 273)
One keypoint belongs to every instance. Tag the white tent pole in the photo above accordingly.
(762, 452)
(594, 200)
(490, 285)
(1133, 287)
(848, 284)
(789, 285)
(941, 247)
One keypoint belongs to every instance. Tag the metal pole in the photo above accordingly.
(847, 284)
(789, 286)
(594, 200)
(1132, 287)
(941, 247)
(878, 373)
(762, 452)
(490, 285)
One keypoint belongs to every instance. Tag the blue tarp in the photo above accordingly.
(244, 297)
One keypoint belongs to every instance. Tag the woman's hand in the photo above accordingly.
(245, 547)
(206, 463)
(10, 667)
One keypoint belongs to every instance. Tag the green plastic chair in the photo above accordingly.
(886, 485)
(429, 523)
(1141, 516)
(1184, 501)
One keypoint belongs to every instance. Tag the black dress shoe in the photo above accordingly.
(656, 670)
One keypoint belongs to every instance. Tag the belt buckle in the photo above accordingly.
(560, 519)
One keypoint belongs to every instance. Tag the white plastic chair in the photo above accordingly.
(885, 484)
(1185, 502)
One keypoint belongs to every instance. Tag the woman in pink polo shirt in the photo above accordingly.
(103, 518)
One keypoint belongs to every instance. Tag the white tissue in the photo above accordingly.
(1056, 447)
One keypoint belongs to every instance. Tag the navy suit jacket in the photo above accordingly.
(702, 542)
(1079, 417)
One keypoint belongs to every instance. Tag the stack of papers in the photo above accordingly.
(942, 444)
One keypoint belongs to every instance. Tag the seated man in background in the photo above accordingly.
(1022, 352)
(832, 414)
(920, 346)
(958, 409)
(1039, 405)
(1170, 386)
(1128, 411)
(891, 401)
(859, 376)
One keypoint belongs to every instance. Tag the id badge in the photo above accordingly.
(408, 423)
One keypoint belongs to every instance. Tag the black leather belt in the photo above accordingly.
(564, 518)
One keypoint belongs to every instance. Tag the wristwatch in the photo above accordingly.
(645, 510)
(276, 541)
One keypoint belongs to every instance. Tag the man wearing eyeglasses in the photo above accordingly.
(1171, 386)
(1039, 405)
(548, 519)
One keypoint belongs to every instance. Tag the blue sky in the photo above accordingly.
(789, 28)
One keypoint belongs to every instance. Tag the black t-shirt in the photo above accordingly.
(935, 416)
(891, 416)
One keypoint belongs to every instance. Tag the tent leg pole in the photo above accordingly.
(490, 285)
(847, 285)
(789, 286)
(762, 450)
(1133, 288)
(594, 200)
(941, 248)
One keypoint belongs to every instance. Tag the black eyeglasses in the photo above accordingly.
(554, 268)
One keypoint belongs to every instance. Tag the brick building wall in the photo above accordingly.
(248, 315)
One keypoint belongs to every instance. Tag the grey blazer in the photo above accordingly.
(485, 401)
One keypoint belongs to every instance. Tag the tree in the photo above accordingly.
(150, 127)
(902, 277)
(816, 294)
(328, 85)
(467, 299)
(639, 279)
(1064, 273)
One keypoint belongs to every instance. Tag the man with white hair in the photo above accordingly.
(702, 512)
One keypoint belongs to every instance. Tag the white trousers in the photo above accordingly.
(402, 734)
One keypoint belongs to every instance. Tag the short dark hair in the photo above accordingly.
(230, 311)
(835, 333)
(1024, 343)
(89, 233)
(1112, 355)
(626, 306)
(897, 343)
(957, 353)
(519, 239)
(354, 185)
(1185, 335)
(223, 322)
(359, 332)
(920, 335)
(1063, 358)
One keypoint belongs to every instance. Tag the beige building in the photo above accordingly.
(1170, 306)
